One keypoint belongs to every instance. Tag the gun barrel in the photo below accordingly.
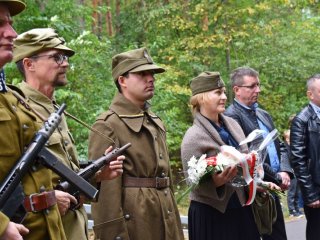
(90, 170)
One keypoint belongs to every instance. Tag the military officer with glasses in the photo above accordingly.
(42, 56)
(17, 127)
(246, 86)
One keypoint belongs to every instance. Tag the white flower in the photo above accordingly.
(196, 168)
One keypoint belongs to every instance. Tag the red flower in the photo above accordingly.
(212, 161)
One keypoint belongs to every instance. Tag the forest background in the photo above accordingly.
(278, 38)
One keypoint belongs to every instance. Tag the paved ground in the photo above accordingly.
(296, 229)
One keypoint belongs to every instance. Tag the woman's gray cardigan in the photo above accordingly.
(202, 138)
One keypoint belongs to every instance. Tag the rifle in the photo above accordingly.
(89, 171)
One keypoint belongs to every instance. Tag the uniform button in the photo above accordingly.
(155, 138)
(66, 143)
(60, 128)
(14, 108)
(160, 156)
(163, 174)
(25, 127)
(118, 238)
(166, 192)
(127, 216)
(147, 121)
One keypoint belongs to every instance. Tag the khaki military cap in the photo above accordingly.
(206, 82)
(14, 6)
(38, 40)
(137, 60)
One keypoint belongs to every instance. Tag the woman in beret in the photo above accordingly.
(216, 209)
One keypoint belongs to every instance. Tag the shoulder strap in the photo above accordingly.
(86, 125)
(26, 105)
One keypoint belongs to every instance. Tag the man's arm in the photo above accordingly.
(299, 160)
(108, 208)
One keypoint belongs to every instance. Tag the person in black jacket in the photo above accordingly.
(305, 156)
(246, 87)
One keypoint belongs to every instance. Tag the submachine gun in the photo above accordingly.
(89, 171)
(11, 191)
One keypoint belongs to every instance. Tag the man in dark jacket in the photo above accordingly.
(305, 156)
(246, 87)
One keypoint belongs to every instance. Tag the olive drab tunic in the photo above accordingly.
(134, 213)
(61, 144)
(17, 127)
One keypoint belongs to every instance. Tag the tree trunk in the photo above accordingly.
(227, 50)
(118, 9)
(94, 16)
(97, 20)
(109, 19)
(82, 19)
(42, 5)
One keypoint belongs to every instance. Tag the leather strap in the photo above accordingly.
(157, 182)
(40, 201)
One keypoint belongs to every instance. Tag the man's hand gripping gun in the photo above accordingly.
(89, 171)
(11, 190)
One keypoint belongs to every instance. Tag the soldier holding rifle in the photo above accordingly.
(42, 58)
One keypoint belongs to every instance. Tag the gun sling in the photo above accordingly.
(156, 182)
(39, 201)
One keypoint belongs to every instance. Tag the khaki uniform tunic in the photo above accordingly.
(17, 127)
(134, 213)
(62, 146)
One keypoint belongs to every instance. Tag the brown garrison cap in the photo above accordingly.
(14, 6)
(205, 82)
(37, 40)
(137, 60)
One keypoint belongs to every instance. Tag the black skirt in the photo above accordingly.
(207, 223)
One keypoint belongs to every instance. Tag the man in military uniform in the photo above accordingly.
(18, 126)
(141, 204)
(42, 58)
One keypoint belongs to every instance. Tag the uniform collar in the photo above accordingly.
(34, 94)
(131, 114)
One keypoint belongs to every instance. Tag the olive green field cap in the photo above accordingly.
(137, 60)
(205, 82)
(14, 6)
(37, 40)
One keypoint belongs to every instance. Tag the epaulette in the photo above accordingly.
(16, 89)
(104, 116)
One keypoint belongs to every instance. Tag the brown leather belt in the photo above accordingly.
(157, 182)
(40, 201)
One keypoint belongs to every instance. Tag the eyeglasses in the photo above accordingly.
(58, 58)
(253, 86)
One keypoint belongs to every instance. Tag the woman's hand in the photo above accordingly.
(225, 176)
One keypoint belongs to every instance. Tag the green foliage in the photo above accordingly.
(276, 37)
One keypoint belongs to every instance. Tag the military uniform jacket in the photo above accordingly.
(130, 213)
(202, 138)
(61, 144)
(17, 127)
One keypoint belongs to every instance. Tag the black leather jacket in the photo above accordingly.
(305, 152)
(247, 118)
